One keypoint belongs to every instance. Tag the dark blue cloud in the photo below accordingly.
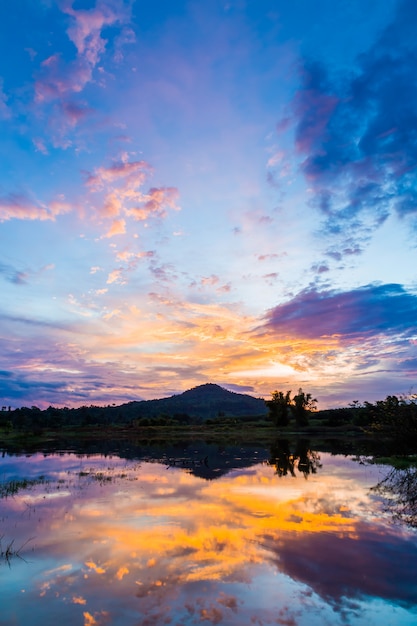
(367, 311)
(349, 568)
(357, 131)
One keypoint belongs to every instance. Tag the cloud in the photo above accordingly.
(320, 268)
(40, 146)
(269, 257)
(13, 275)
(59, 80)
(57, 77)
(5, 112)
(116, 276)
(366, 311)
(355, 133)
(87, 25)
(324, 562)
(118, 227)
(132, 259)
(120, 187)
(133, 174)
(155, 203)
(15, 206)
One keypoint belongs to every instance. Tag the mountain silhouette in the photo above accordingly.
(203, 402)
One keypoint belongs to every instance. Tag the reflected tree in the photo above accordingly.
(399, 488)
(305, 460)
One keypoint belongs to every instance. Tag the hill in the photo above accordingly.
(200, 403)
(195, 405)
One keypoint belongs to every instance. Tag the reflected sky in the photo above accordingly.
(112, 541)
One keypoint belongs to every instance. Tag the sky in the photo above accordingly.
(215, 191)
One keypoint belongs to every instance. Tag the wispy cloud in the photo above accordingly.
(16, 206)
(11, 274)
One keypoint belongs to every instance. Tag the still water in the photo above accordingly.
(93, 539)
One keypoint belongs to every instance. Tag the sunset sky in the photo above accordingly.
(204, 191)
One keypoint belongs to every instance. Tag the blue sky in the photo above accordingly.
(197, 192)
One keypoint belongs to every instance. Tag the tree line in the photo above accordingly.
(395, 417)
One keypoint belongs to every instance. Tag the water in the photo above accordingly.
(108, 540)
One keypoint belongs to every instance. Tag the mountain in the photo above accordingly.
(203, 402)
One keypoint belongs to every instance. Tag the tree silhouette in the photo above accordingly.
(282, 407)
(303, 404)
(399, 488)
(279, 408)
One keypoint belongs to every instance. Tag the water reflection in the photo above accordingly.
(122, 542)
(399, 487)
(285, 461)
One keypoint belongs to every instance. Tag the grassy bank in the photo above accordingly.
(238, 432)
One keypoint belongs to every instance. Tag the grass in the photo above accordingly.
(12, 487)
(8, 552)
(397, 462)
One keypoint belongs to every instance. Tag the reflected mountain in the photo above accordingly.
(206, 460)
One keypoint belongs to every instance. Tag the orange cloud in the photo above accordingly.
(118, 227)
(79, 600)
(96, 568)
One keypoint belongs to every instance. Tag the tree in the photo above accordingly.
(303, 403)
(282, 407)
(395, 418)
(279, 408)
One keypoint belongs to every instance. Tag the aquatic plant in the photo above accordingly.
(8, 552)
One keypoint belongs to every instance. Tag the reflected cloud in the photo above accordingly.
(152, 538)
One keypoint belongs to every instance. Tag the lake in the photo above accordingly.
(204, 534)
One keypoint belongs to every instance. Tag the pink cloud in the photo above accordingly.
(134, 173)
(121, 188)
(210, 280)
(85, 31)
(19, 207)
(155, 203)
(40, 145)
(59, 79)
(127, 256)
(267, 257)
